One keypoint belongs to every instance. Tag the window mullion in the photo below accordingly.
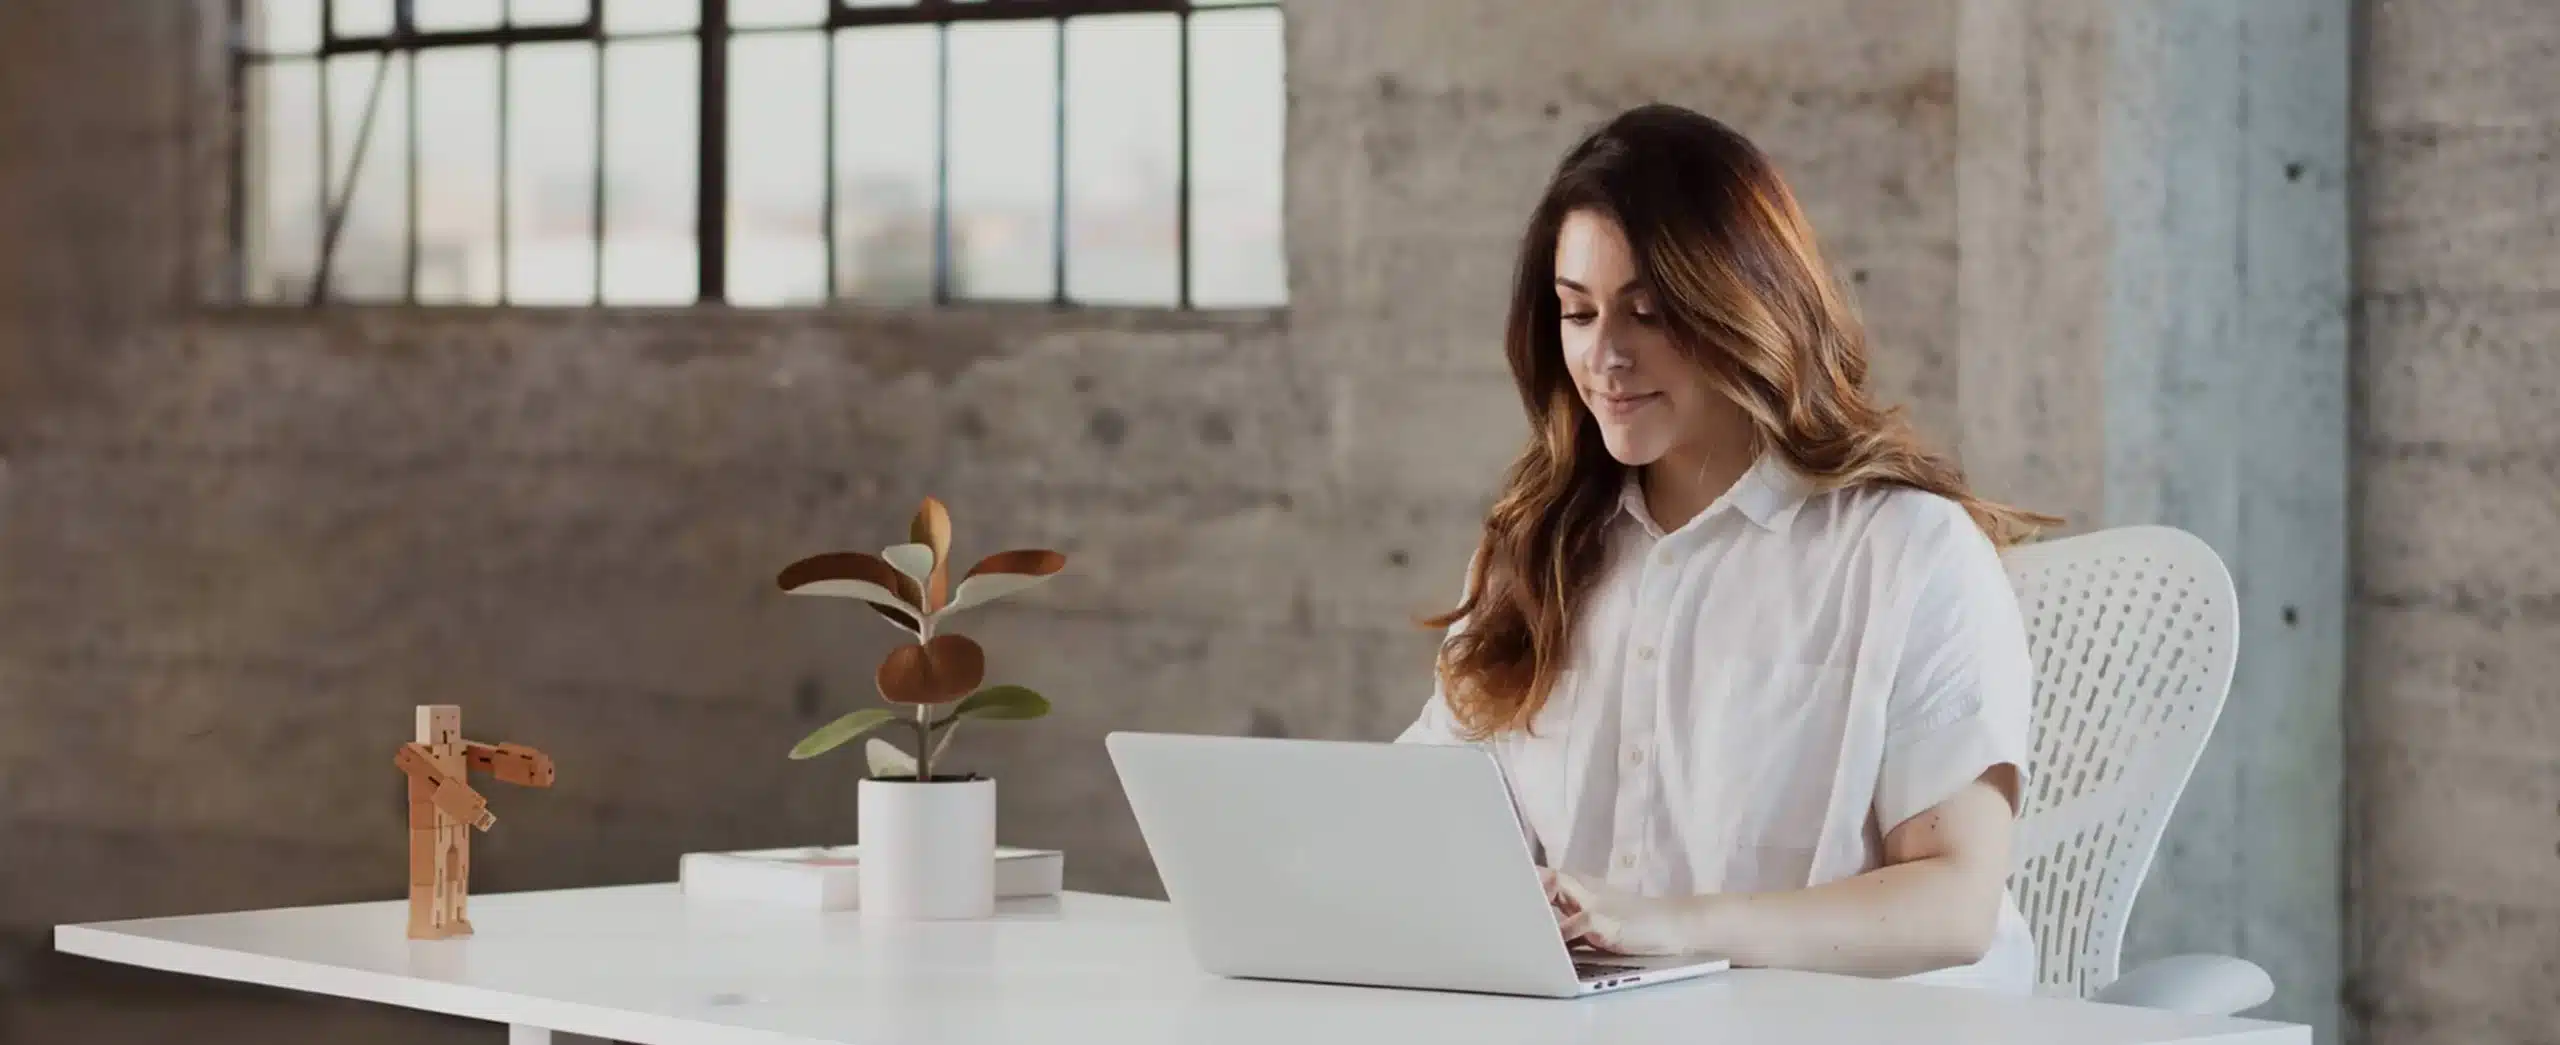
(1058, 181)
(1182, 162)
(711, 186)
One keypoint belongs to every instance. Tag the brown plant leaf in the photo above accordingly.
(853, 575)
(1036, 562)
(936, 672)
(1005, 573)
(932, 528)
(910, 590)
(900, 618)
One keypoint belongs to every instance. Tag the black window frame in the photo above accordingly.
(713, 32)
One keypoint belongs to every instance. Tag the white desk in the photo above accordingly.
(641, 964)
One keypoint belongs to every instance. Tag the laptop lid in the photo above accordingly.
(1344, 862)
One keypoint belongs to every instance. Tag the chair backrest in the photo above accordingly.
(2132, 631)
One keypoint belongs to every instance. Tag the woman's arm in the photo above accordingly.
(1935, 903)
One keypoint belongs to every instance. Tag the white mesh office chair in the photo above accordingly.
(2132, 633)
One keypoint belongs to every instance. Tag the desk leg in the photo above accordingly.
(520, 1034)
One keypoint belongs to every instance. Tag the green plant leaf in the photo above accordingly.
(998, 703)
(914, 560)
(995, 703)
(886, 759)
(832, 735)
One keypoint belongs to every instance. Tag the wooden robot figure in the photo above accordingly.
(443, 811)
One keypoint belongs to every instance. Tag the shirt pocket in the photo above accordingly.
(1778, 747)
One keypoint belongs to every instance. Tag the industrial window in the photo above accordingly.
(758, 152)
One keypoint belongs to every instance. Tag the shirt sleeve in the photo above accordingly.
(1963, 686)
(1436, 724)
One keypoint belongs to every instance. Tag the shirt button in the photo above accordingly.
(1635, 756)
(1644, 653)
(1627, 862)
(1665, 557)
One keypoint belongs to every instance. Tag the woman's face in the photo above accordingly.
(1645, 394)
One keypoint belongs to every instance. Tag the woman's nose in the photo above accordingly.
(1609, 348)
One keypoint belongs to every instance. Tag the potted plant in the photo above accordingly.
(927, 837)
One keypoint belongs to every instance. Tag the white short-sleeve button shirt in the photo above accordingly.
(1755, 698)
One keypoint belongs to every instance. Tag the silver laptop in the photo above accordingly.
(1392, 865)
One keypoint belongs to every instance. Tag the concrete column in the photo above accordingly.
(2153, 279)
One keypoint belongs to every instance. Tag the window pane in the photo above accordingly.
(280, 181)
(886, 86)
(1122, 130)
(458, 175)
(1237, 100)
(1004, 86)
(371, 260)
(436, 16)
(546, 12)
(650, 161)
(777, 169)
(761, 13)
(650, 16)
(361, 18)
(281, 26)
(551, 174)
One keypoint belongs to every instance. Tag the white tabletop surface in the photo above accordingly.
(643, 964)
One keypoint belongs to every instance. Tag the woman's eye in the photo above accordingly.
(1580, 319)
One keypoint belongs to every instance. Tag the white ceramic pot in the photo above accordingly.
(927, 850)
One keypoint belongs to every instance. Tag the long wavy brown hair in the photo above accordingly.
(1729, 260)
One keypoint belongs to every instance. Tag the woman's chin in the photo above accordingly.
(1635, 449)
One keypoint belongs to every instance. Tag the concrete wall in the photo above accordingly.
(236, 546)
(2153, 210)
(2454, 778)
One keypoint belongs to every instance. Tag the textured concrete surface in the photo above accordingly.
(2455, 843)
(2227, 416)
(2154, 282)
(236, 546)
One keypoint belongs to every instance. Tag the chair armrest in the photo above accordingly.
(2195, 984)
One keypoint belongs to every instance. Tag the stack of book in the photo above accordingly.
(828, 878)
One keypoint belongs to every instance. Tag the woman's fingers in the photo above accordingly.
(1575, 927)
(1572, 893)
(1557, 897)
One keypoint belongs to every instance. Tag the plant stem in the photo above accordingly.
(924, 746)
(924, 726)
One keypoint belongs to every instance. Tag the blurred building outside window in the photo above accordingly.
(556, 152)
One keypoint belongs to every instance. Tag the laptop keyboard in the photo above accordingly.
(1589, 970)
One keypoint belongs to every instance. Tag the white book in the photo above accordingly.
(828, 878)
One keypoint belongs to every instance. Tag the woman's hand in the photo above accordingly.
(1617, 921)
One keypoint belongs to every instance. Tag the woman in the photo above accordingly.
(1742, 647)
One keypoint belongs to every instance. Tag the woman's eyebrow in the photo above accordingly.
(1571, 285)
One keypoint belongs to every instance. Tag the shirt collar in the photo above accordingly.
(1769, 494)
